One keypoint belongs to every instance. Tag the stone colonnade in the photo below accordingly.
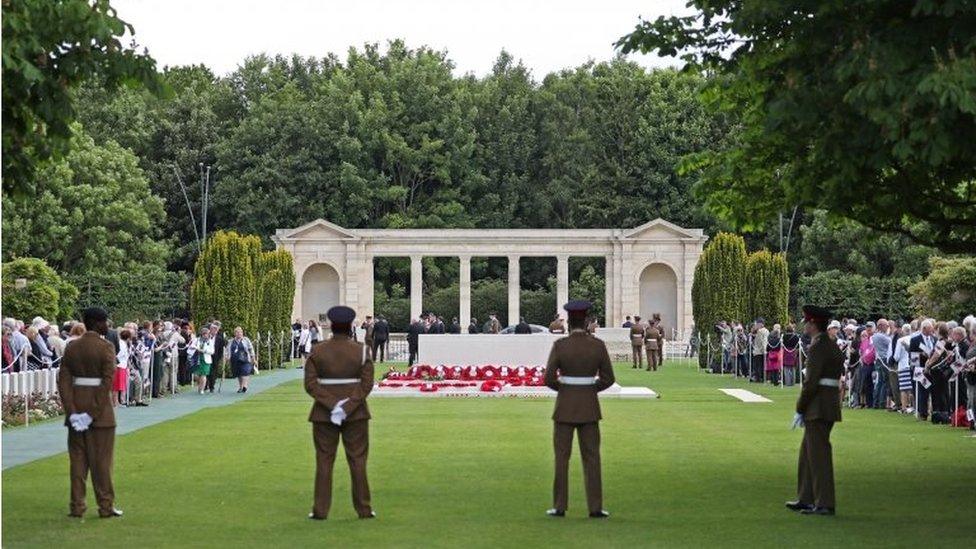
(648, 268)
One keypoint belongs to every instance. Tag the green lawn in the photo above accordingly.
(694, 468)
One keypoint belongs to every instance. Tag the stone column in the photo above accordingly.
(562, 282)
(514, 287)
(464, 287)
(416, 286)
(366, 287)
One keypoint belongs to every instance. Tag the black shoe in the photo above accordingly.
(798, 506)
(556, 512)
(111, 514)
(313, 516)
(822, 511)
(600, 514)
(76, 515)
(240, 390)
(371, 515)
(244, 390)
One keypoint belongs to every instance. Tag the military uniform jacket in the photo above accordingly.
(578, 355)
(91, 356)
(339, 357)
(556, 327)
(637, 335)
(652, 337)
(825, 361)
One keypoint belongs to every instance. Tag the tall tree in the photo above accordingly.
(865, 109)
(49, 47)
(93, 213)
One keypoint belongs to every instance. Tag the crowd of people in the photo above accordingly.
(922, 367)
(152, 359)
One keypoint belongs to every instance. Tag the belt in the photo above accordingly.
(337, 380)
(86, 381)
(577, 380)
(828, 382)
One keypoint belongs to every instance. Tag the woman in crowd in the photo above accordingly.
(34, 358)
(969, 373)
(791, 351)
(304, 340)
(865, 372)
(185, 335)
(77, 330)
(204, 350)
(242, 359)
(903, 364)
(774, 356)
(314, 333)
(8, 351)
(740, 350)
(938, 369)
(121, 380)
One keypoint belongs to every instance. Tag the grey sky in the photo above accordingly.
(546, 35)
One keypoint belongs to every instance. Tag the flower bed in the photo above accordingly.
(41, 408)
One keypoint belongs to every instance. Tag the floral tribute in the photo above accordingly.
(488, 378)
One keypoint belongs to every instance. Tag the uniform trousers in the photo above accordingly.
(638, 355)
(815, 478)
(589, 444)
(651, 358)
(355, 441)
(91, 450)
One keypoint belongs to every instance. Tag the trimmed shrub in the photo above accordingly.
(45, 293)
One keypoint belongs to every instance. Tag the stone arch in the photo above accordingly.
(321, 290)
(658, 284)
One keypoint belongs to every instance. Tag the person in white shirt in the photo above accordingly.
(903, 360)
(204, 346)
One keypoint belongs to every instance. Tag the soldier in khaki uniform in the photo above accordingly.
(637, 342)
(578, 368)
(817, 409)
(660, 338)
(652, 339)
(556, 326)
(85, 384)
(339, 377)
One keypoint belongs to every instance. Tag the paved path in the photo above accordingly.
(23, 445)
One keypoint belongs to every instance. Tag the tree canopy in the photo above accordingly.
(865, 109)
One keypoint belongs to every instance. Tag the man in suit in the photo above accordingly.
(523, 327)
(455, 327)
(817, 409)
(473, 326)
(413, 339)
(339, 377)
(578, 368)
(627, 323)
(920, 348)
(637, 341)
(381, 335)
(85, 385)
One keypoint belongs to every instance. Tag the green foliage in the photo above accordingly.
(718, 291)
(856, 296)
(591, 286)
(949, 291)
(767, 287)
(92, 214)
(45, 294)
(277, 290)
(226, 281)
(49, 47)
(837, 244)
(865, 109)
(143, 293)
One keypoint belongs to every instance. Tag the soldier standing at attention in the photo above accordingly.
(660, 339)
(637, 341)
(370, 328)
(816, 410)
(84, 383)
(578, 368)
(652, 337)
(339, 376)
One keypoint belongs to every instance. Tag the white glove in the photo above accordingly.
(80, 422)
(797, 420)
(338, 414)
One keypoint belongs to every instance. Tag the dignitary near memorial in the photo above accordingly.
(423, 274)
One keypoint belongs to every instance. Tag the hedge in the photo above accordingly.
(855, 296)
(949, 291)
(767, 284)
(718, 290)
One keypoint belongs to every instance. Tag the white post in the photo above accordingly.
(416, 286)
(464, 291)
(514, 287)
(562, 283)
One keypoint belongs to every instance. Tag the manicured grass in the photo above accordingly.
(694, 468)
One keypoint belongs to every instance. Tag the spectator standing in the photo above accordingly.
(296, 332)
(881, 342)
(304, 340)
(121, 379)
(791, 352)
(242, 359)
(381, 338)
(314, 333)
(204, 358)
(413, 340)
(969, 375)
(219, 344)
(760, 338)
(774, 356)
